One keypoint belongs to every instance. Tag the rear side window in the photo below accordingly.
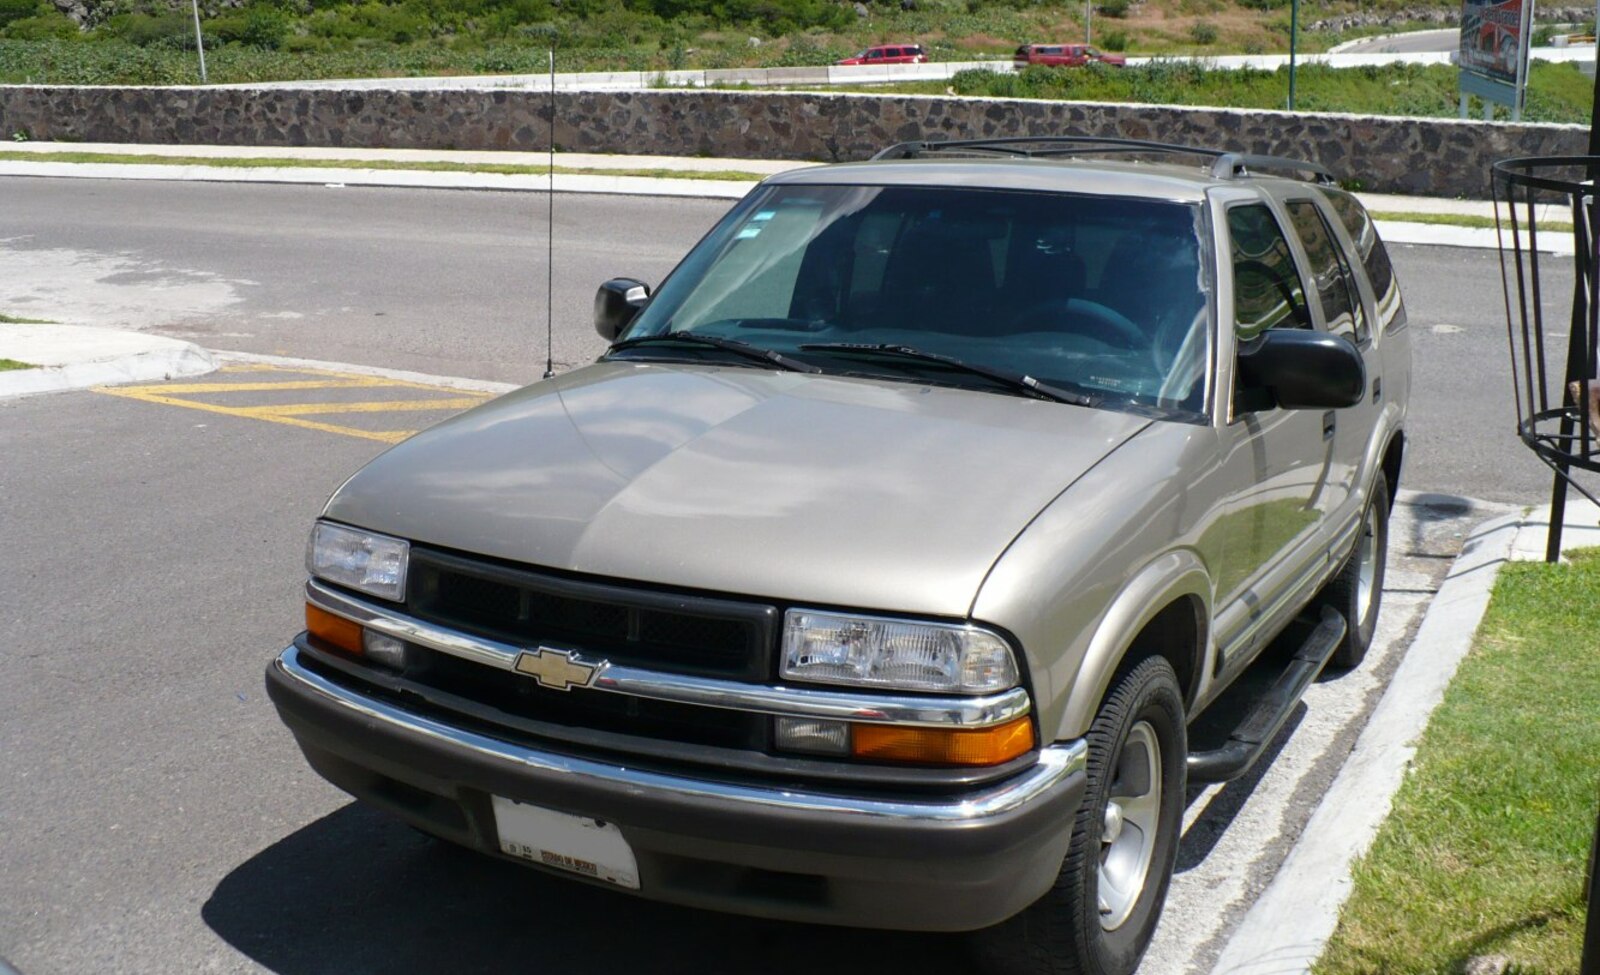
(1266, 286)
(1369, 247)
(1330, 271)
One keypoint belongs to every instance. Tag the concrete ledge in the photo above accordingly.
(78, 357)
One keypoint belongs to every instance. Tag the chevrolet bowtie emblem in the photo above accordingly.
(557, 669)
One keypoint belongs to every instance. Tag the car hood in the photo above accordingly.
(827, 490)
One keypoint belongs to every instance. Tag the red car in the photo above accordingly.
(1064, 55)
(889, 54)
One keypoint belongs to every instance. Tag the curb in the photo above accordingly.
(407, 178)
(143, 359)
(1290, 923)
(428, 379)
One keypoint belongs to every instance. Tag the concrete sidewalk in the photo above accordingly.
(609, 174)
(77, 357)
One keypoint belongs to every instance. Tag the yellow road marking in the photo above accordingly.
(291, 414)
(387, 406)
(192, 388)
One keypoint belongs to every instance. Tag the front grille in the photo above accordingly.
(661, 631)
(617, 713)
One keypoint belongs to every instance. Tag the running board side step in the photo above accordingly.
(1262, 721)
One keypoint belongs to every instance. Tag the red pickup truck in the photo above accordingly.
(1064, 55)
(889, 54)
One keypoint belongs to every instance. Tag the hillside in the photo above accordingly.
(647, 34)
(152, 42)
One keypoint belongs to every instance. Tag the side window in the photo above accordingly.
(1330, 270)
(1369, 247)
(1266, 288)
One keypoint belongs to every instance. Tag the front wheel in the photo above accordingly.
(1099, 917)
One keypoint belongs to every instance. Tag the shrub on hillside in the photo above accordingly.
(49, 26)
(258, 26)
(16, 10)
(1203, 32)
(146, 30)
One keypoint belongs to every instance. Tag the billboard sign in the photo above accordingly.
(1494, 49)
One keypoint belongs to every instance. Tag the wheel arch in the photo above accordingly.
(1163, 611)
(1394, 453)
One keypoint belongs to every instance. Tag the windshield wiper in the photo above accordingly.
(716, 341)
(1013, 380)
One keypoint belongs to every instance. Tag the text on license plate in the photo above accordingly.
(578, 844)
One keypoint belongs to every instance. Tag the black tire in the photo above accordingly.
(1354, 595)
(1062, 933)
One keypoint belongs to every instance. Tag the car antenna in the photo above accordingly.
(550, 233)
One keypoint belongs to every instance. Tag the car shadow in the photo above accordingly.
(1208, 828)
(357, 891)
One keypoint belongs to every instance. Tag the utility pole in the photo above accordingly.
(1294, 35)
(1088, 20)
(199, 45)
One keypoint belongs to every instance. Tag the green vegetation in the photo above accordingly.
(151, 41)
(9, 320)
(6, 365)
(1556, 92)
(253, 162)
(1485, 850)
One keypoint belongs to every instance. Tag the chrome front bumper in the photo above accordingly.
(917, 862)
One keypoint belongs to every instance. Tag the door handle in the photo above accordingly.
(1328, 422)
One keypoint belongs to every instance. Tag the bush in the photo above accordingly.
(1114, 40)
(1203, 32)
(1113, 8)
(261, 27)
(11, 10)
(146, 30)
(51, 26)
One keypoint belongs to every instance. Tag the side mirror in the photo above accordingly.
(1299, 369)
(616, 303)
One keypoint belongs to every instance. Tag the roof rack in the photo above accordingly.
(1225, 165)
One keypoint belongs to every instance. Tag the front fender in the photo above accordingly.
(1178, 574)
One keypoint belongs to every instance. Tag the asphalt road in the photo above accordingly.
(155, 817)
(452, 283)
(1413, 42)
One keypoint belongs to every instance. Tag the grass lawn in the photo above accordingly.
(8, 364)
(1485, 850)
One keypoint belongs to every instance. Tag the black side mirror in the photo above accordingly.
(1299, 369)
(616, 303)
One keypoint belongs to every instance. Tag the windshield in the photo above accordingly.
(1099, 294)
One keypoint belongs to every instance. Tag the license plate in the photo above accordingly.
(578, 844)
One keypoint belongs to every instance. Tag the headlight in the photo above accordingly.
(876, 652)
(372, 563)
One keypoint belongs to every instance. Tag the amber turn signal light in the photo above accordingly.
(943, 746)
(333, 630)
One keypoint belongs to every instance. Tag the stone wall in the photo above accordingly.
(1432, 157)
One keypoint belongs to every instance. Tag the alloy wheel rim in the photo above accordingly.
(1367, 566)
(1128, 830)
